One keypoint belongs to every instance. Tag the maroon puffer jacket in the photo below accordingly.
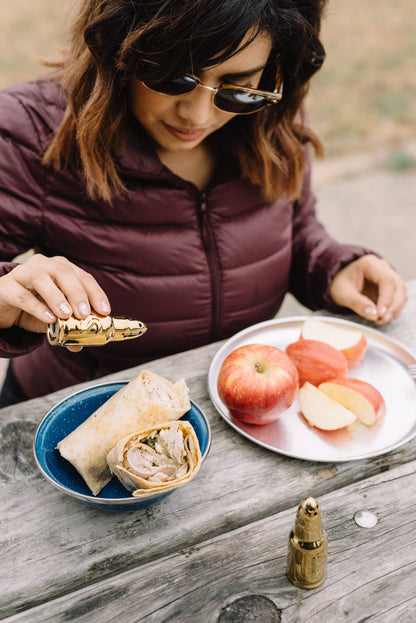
(194, 266)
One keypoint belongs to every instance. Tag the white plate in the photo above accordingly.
(384, 365)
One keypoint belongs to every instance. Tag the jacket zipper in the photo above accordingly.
(212, 257)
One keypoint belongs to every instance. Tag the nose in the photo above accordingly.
(196, 107)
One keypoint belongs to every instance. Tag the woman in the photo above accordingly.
(163, 174)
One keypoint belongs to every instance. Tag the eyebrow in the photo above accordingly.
(243, 74)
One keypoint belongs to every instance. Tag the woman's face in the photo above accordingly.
(179, 123)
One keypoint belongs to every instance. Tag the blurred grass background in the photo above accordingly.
(362, 104)
(364, 98)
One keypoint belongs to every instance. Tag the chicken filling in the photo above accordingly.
(161, 393)
(161, 458)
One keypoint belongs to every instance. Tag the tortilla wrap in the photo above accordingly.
(143, 403)
(158, 459)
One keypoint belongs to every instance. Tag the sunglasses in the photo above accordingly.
(229, 98)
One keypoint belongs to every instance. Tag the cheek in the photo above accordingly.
(145, 104)
(223, 118)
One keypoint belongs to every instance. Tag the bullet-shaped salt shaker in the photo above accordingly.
(307, 556)
(94, 330)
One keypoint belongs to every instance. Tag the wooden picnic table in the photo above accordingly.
(215, 550)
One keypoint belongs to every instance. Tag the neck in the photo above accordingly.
(196, 165)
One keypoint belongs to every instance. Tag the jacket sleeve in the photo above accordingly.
(316, 257)
(22, 184)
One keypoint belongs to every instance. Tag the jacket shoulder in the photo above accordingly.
(31, 111)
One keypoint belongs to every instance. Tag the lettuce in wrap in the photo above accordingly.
(158, 459)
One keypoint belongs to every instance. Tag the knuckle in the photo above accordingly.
(61, 259)
(36, 258)
(37, 275)
(62, 264)
(89, 279)
(21, 298)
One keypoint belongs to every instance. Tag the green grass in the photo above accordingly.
(401, 162)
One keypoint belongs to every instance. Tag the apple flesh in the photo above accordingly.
(350, 342)
(358, 396)
(321, 411)
(257, 383)
(316, 361)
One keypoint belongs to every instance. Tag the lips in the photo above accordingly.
(185, 134)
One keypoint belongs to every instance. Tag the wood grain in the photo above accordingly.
(371, 572)
(52, 545)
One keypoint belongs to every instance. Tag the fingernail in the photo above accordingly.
(388, 317)
(49, 317)
(65, 309)
(105, 306)
(83, 310)
(370, 311)
(383, 310)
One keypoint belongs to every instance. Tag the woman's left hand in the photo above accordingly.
(371, 288)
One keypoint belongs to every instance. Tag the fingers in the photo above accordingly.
(64, 288)
(371, 288)
(349, 295)
(43, 289)
(96, 297)
(18, 303)
(391, 300)
(388, 289)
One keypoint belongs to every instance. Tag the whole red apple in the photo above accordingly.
(257, 383)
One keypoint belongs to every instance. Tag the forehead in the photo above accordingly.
(250, 56)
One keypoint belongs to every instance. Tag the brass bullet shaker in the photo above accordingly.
(306, 564)
(94, 330)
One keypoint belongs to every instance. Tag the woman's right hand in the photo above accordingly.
(43, 289)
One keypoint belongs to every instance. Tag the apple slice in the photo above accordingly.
(321, 410)
(316, 361)
(358, 396)
(350, 342)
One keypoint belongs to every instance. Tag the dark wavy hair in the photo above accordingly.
(110, 37)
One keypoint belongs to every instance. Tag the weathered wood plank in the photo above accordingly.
(52, 545)
(371, 572)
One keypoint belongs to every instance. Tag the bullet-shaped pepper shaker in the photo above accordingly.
(94, 330)
(307, 556)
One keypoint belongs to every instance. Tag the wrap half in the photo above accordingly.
(158, 459)
(145, 402)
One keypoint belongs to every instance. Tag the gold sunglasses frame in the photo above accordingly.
(272, 96)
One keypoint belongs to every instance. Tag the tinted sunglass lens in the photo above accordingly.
(238, 101)
(174, 86)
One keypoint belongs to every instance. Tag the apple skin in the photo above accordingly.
(350, 342)
(317, 361)
(355, 353)
(257, 383)
(321, 411)
(358, 396)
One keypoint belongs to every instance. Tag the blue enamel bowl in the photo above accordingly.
(64, 417)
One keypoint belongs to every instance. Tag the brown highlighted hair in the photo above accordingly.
(110, 37)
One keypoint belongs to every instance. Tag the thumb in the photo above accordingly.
(30, 323)
(357, 302)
